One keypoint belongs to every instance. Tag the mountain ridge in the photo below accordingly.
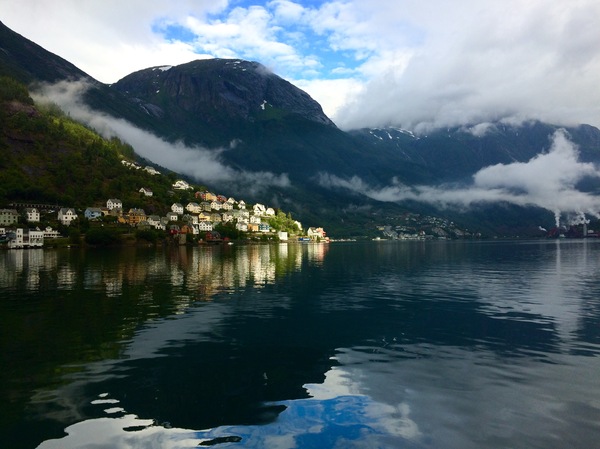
(265, 124)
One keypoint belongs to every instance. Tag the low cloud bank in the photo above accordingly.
(203, 164)
(547, 180)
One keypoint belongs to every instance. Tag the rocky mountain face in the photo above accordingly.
(215, 88)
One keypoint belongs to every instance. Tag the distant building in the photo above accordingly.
(32, 215)
(316, 234)
(177, 208)
(151, 170)
(8, 217)
(181, 185)
(66, 215)
(92, 213)
(114, 203)
(27, 239)
(136, 216)
(146, 191)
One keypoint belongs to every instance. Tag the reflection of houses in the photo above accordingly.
(29, 239)
(66, 215)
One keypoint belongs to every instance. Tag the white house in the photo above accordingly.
(259, 209)
(177, 208)
(316, 233)
(181, 185)
(50, 233)
(114, 203)
(66, 215)
(32, 214)
(270, 212)
(146, 191)
(204, 226)
(8, 217)
(172, 216)
(241, 226)
(155, 222)
(241, 204)
(151, 170)
(193, 208)
(29, 239)
(227, 217)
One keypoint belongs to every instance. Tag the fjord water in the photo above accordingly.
(347, 345)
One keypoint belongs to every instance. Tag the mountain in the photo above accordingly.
(259, 123)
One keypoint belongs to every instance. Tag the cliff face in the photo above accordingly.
(218, 88)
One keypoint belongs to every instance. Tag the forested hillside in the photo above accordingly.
(49, 158)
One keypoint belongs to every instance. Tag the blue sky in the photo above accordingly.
(406, 63)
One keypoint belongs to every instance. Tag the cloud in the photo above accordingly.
(548, 181)
(485, 62)
(203, 164)
(415, 65)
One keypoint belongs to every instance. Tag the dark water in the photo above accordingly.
(347, 345)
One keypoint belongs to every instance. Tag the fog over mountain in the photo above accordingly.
(548, 181)
(198, 162)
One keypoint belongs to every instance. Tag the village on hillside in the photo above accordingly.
(184, 223)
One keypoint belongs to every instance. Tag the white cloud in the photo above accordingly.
(419, 65)
(203, 164)
(548, 181)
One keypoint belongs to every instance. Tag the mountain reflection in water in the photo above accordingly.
(410, 344)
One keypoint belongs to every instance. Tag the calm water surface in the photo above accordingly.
(347, 345)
